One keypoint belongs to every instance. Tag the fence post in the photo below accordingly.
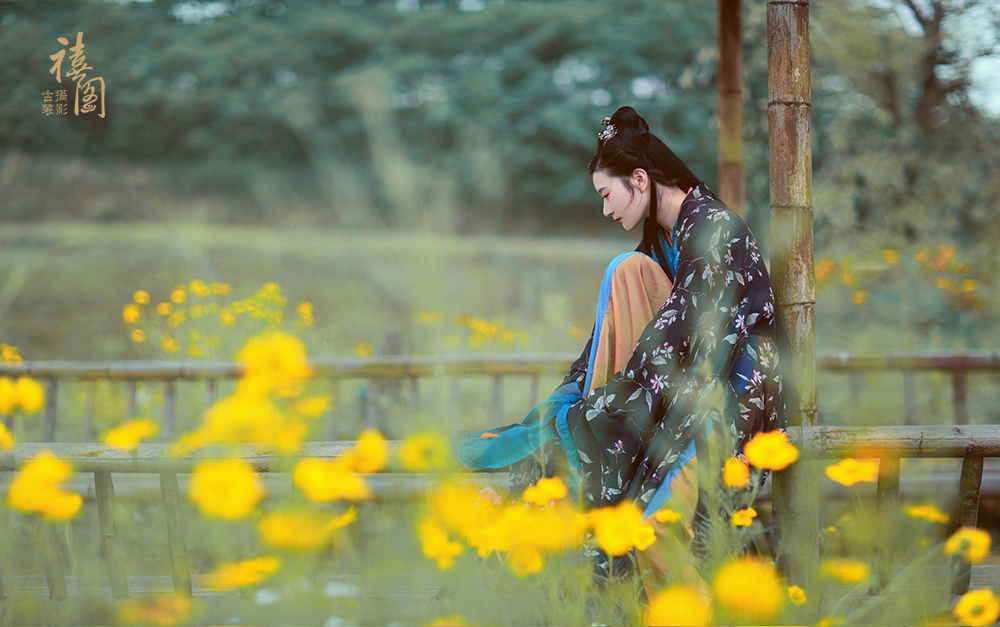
(89, 400)
(960, 400)
(168, 428)
(910, 398)
(887, 499)
(51, 410)
(179, 570)
(968, 515)
(111, 543)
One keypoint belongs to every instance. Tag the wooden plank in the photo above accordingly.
(968, 516)
(179, 569)
(887, 499)
(111, 543)
(901, 441)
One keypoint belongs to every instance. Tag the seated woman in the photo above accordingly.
(690, 309)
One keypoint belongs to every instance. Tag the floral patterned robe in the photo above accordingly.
(630, 432)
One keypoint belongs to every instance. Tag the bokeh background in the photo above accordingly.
(398, 165)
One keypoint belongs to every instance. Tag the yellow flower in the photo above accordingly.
(221, 288)
(749, 587)
(226, 489)
(199, 288)
(164, 309)
(744, 517)
(891, 256)
(797, 595)
(850, 471)
(227, 317)
(28, 394)
(859, 297)
(138, 335)
(736, 473)
(545, 491)
(38, 488)
(942, 283)
(323, 481)
(667, 516)
(849, 571)
(928, 512)
(129, 435)
(311, 407)
(161, 610)
(274, 362)
(247, 418)
(169, 343)
(679, 605)
(141, 297)
(618, 529)
(525, 560)
(177, 317)
(305, 311)
(130, 313)
(427, 316)
(243, 574)
(435, 544)
(972, 543)
(576, 332)
(770, 450)
(453, 620)
(423, 452)
(178, 295)
(6, 439)
(969, 285)
(825, 269)
(303, 529)
(369, 454)
(363, 349)
(978, 607)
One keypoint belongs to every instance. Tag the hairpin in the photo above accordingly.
(608, 132)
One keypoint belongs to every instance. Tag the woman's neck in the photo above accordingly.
(668, 205)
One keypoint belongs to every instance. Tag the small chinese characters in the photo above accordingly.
(54, 103)
(89, 90)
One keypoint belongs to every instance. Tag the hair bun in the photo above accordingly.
(632, 130)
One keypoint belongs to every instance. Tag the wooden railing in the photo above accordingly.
(888, 444)
(414, 368)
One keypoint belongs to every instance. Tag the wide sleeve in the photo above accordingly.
(578, 371)
(629, 432)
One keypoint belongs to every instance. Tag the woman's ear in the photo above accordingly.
(640, 179)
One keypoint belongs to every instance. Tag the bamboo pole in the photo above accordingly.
(792, 271)
(111, 542)
(731, 185)
(179, 569)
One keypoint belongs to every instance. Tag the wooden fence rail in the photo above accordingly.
(888, 444)
(455, 367)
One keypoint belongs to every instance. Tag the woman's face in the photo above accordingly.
(626, 206)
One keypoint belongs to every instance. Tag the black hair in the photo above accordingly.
(633, 146)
